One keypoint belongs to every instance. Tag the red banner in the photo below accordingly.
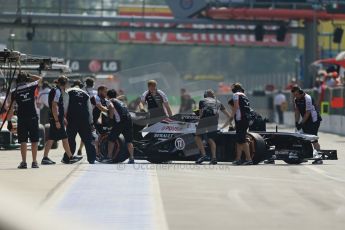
(190, 38)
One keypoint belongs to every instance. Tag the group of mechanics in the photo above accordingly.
(87, 109)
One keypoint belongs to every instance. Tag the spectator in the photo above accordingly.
(187, 102)
(292, 83)
(280, 106)
(43, 103)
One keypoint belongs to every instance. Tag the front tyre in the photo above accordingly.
(120, 152)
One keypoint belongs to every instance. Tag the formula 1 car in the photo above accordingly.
(9, 140)
(173, 140)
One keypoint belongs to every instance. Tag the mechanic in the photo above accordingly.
(157, 102)
(241, 113)
(99, 103)
(121, 121)
(57, 122)
(209, 108)
(27, 127)
(257, 123)
(311, 119)
(79, 120)
(89, 89)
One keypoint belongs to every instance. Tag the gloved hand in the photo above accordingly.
(298, 126)
(9, 125)
(231, 128)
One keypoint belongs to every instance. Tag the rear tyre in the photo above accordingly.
(259, 151)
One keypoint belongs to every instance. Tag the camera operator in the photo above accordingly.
(311, 119)
(209, 108)
(79, 120)
(241, 113)
(57, 122)
(24, 96)
(121, 122)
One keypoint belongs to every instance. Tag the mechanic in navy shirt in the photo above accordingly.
(89, 89)
(79, 120)
(157, 102)
(241, 113)
(311, 119)
(99, 103)
(209, 108)
(57, 122)
(27, 127)
(121, 123)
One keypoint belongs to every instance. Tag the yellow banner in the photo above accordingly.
(325, 41)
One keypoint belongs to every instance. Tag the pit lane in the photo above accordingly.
(181, 195)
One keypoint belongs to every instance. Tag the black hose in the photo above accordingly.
(11, 78)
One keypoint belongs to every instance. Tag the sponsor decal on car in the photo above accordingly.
(180, 144)
(171, 128)
(163, 135)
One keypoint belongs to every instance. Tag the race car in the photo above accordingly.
(9, 140)
(172, 139)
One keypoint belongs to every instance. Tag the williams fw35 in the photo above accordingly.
(173, 140)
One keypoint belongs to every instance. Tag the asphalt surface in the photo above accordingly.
(179, 195)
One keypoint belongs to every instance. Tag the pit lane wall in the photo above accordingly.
(330, 123)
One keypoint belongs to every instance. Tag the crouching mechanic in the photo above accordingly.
(311, 119)
(121, 122)
(24, 96)
(207, 127)
(79, 120)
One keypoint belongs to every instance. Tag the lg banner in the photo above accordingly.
(94, 66)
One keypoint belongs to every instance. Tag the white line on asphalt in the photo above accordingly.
(159, 212)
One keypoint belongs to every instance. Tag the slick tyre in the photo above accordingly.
(120, 152)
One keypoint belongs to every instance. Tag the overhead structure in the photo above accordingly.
(259, 17)
(260, 11)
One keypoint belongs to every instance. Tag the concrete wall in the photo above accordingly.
(330, 123)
